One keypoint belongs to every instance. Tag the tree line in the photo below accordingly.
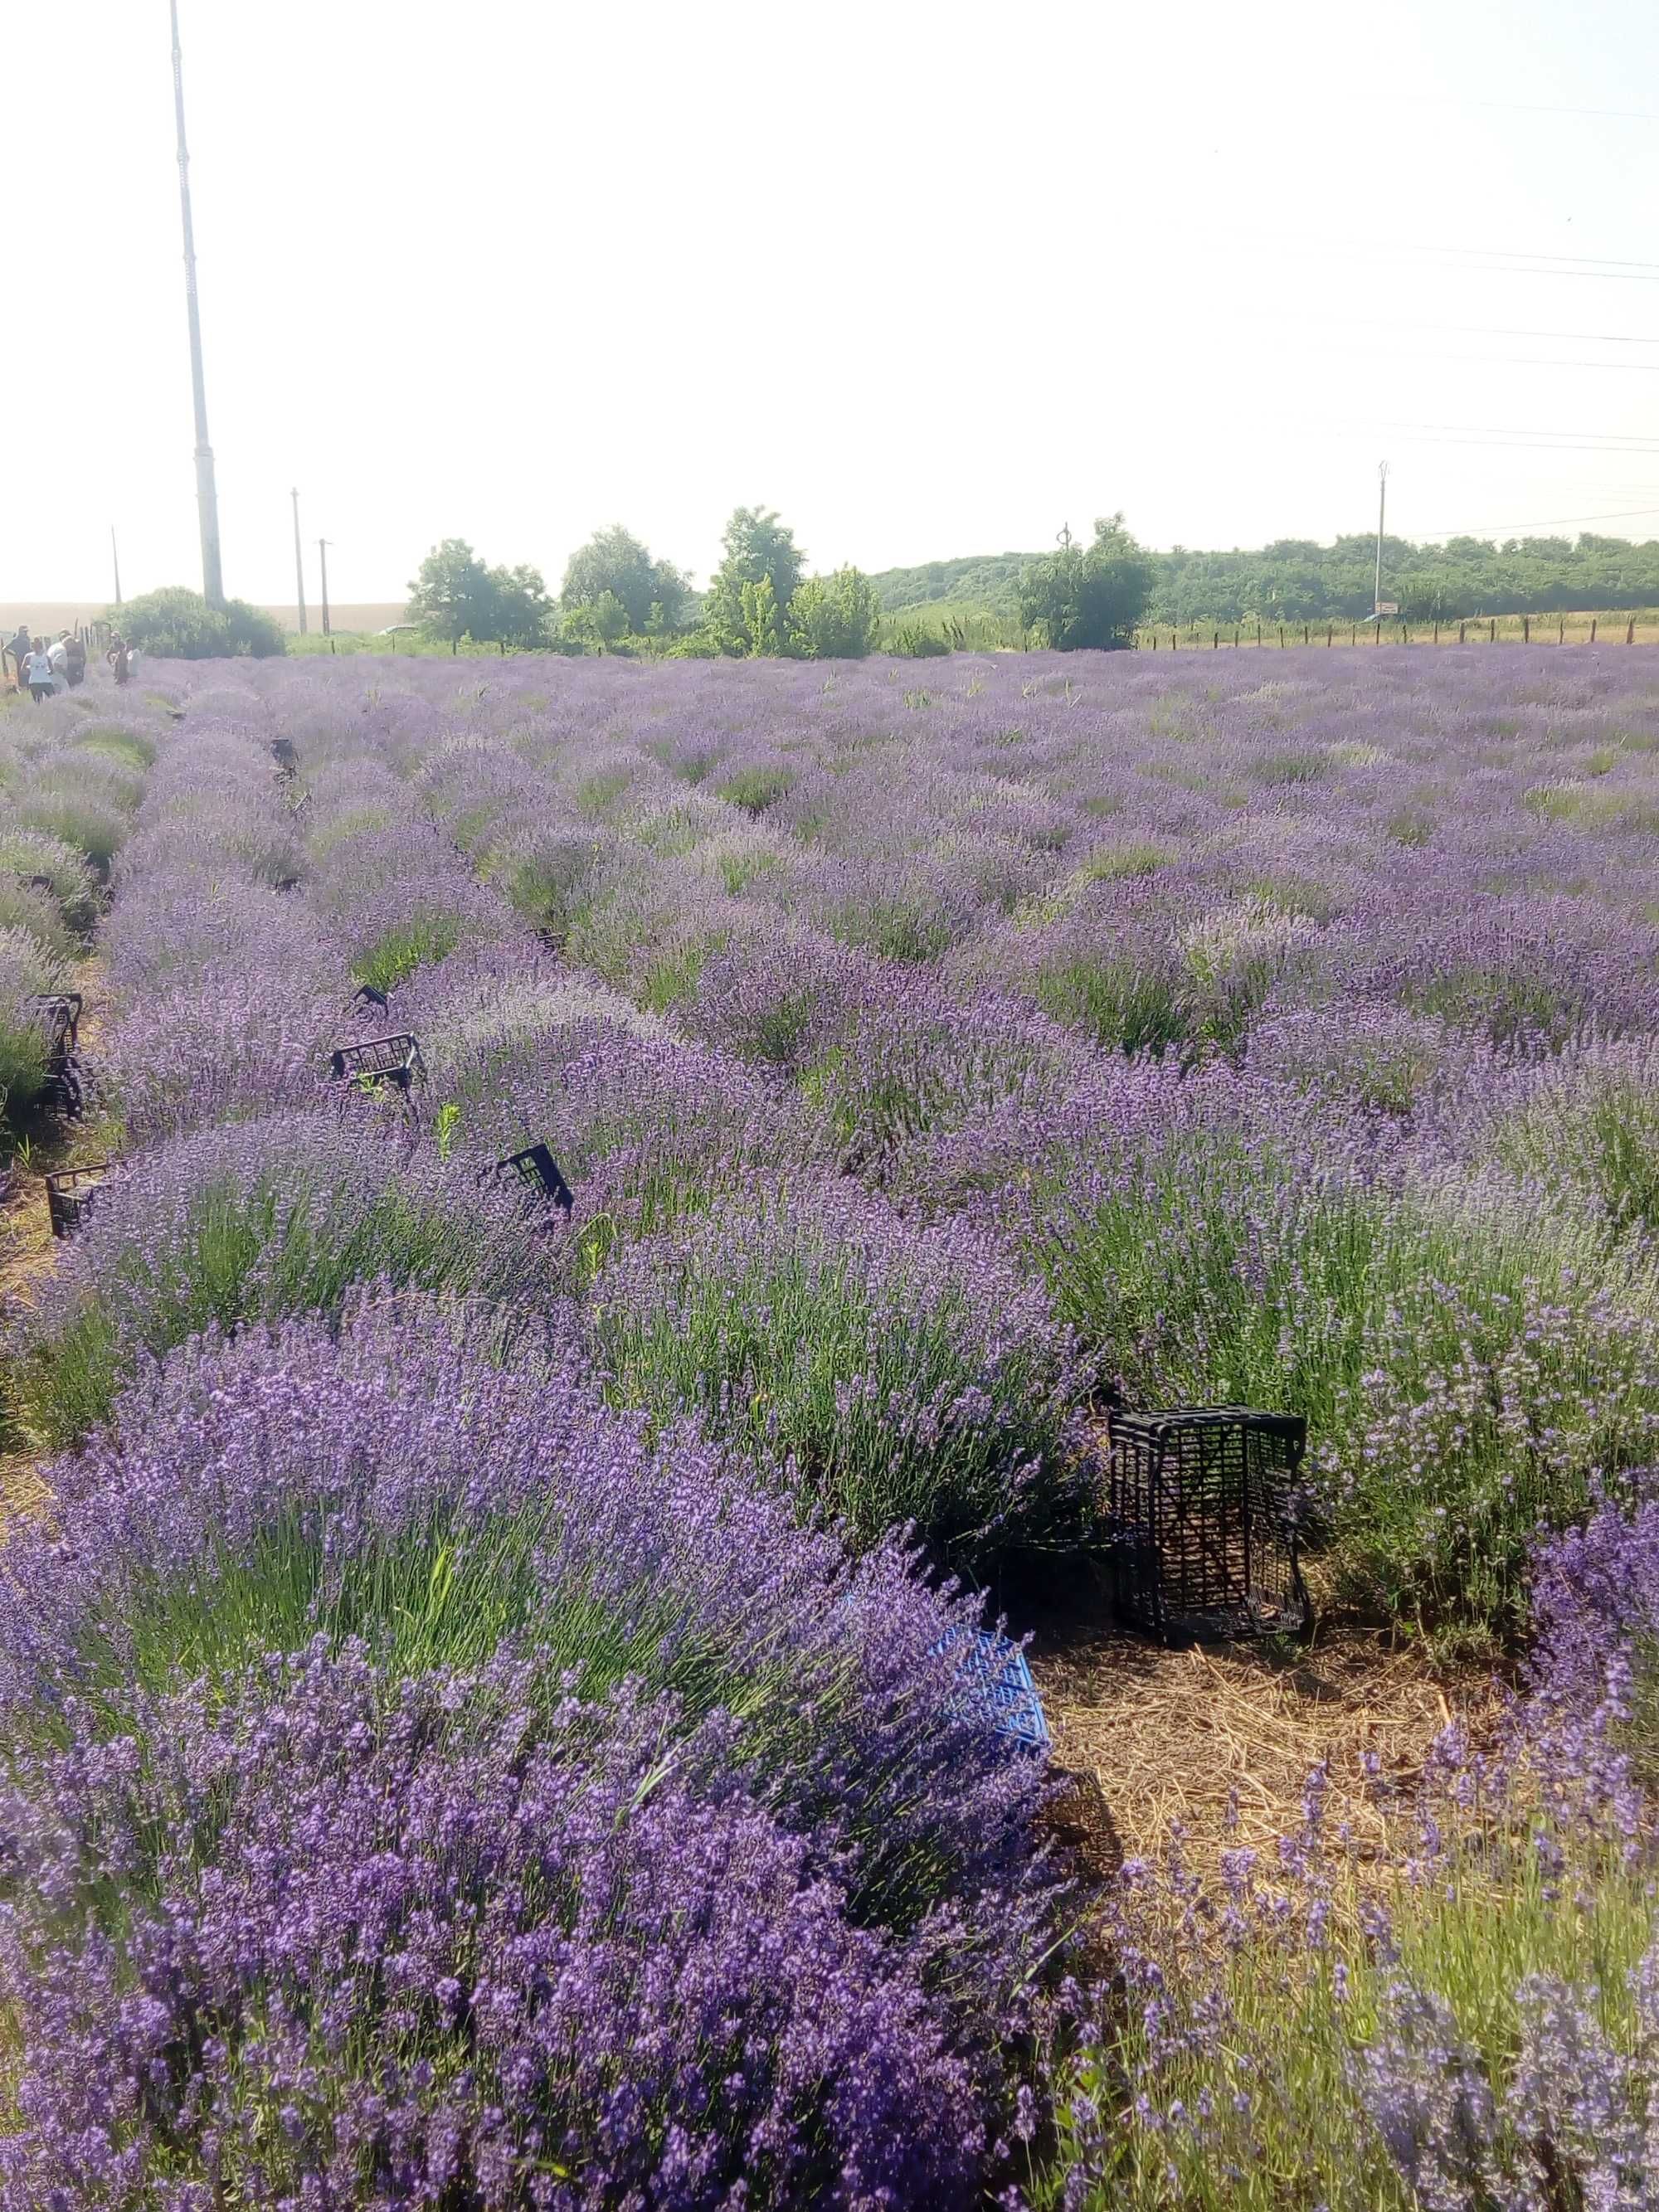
(617, 596)
(1297, 580)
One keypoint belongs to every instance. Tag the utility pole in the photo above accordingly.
(115, 556)
(299, 564)
(323, 544)
(207, 496)
(1381, 507)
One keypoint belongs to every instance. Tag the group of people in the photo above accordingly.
(41, 668)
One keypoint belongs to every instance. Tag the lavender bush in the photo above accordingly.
(258, 1219)
(493, 1686)
(907, 1375)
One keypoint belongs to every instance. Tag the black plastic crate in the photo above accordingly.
(281, 752)
(536, 1169)
(61, 1012)
(71, 1194)
(390, 1062)
(60, 1015)
(1204, 1505)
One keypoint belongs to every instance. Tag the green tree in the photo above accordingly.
(1088, 597)
(521, 608)
(452, 596)
(833, 617)
(761, 638)
(178, 624)
(455, 595)
(758, 547)
(652, 592)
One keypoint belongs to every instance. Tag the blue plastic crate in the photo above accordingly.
(997, 1682)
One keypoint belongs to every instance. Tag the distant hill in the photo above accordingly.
(1297, 580)
(980, 580)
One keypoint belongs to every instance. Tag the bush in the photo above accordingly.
(502, 1792)
(905, 1376)
(35, 852)
(249, 1222)
(1093, 597)
(178, 624)
(27, 969)
(835, 617)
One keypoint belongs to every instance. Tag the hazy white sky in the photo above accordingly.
(931, 278)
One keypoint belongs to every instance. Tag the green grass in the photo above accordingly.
(1122, 1005)
(1268, 2114)
(241, 1255)
(393, 958)
(1463, 1375)
(784, 1347)
(755, 789)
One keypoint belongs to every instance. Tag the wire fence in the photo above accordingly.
(1489, 629)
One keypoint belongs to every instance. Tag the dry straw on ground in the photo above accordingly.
(1188, 1735)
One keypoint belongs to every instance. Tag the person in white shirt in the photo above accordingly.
(37, 667)
(58, 662)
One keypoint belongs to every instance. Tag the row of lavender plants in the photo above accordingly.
(69, 780)
(922, 1060)
(427, 1778)
(1285, 1043)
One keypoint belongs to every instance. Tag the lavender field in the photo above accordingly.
(482, 1686)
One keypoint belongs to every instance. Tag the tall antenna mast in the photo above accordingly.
(207, 496)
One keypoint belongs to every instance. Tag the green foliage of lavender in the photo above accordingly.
(252, 1222)
(901, 1379)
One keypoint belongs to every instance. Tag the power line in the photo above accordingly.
(1494, 260)
(1618, 437)
(1508, 106)
(1472, 329)
(1508, 445)
(1516, 253)
(1550, 522)
(1497, 360)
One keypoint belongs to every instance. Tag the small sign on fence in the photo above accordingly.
(1388, 606)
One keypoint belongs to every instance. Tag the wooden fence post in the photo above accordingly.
(1630, 631)
(1461, 627)
(1215, 640)
(1405, 634)
(1258, 633)
(1281, 637)
(1493, 639)
(1593, 621)
(1236, 633)
(1526, 629)
(1437, 633)
(1561, 629)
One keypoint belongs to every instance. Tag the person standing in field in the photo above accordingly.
(75, 660)
(57, 661)
(17, 650)
(116, 658)
(38, 667)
